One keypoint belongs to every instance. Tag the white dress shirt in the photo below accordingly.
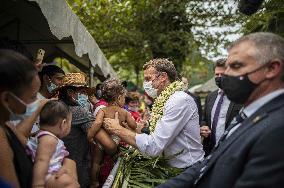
(220, 128)
(178, 130)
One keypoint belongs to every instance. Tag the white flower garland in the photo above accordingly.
(158, 106)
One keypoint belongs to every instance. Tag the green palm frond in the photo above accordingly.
(136, 170)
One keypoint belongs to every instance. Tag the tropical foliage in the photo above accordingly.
(131, 32)
(136, 170)
(188, 32)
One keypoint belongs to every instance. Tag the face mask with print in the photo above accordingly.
(30, 109)
(51, 87)
(83, 100)
(152, 92)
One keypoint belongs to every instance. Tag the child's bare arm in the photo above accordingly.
(105, 140)
(130, 121)
(96, 126)
(46, 148)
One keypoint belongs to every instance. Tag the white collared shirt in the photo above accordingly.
(177, 130)
(220, 128)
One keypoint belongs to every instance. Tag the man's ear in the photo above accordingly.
(45, 79)
(119, 97)
(165, 76)
(274, 69)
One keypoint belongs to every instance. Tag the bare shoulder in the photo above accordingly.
(48, 140)
(122, 112)
(110, 112)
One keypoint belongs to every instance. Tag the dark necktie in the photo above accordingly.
(238, 119)
(215, 118)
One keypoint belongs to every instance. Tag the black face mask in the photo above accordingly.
(218, 81)
(239, 88)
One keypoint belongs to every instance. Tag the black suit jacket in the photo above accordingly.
(233, 110)
(252, 157)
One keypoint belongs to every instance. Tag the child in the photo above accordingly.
(48, 151)
(114, 94)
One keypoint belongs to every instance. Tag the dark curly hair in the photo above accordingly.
(163, 65)
(111, 89)
(132, 96)
(52, 112)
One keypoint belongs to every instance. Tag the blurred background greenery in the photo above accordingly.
(191, 33)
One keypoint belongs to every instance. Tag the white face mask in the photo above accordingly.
(133, 109)
(30, 109)
(152, 92)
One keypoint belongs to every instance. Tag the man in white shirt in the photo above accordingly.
(249, 153)
(177, 130)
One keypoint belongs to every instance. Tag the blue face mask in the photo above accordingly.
(30, 109)
(51, 87)
(82, 100)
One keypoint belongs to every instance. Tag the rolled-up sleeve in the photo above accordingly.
(177, 112)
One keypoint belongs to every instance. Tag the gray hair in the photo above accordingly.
(268, 46)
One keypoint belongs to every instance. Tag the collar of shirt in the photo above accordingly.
(220, 91)
(253, 107)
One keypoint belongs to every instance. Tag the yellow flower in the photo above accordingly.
(158, 106)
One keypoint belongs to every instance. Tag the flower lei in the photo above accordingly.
(158, 106)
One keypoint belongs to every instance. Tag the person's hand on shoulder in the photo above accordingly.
(112, 125)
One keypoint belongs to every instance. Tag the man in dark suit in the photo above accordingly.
(250, 153)
(219, 111)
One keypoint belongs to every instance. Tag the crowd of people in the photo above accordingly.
(55, 131)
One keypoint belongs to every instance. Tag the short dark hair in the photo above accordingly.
(132, 96)
(163, 65)
(50, 70)
(220, 63)
(52, 112)
(111, 89)
(16, 71)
